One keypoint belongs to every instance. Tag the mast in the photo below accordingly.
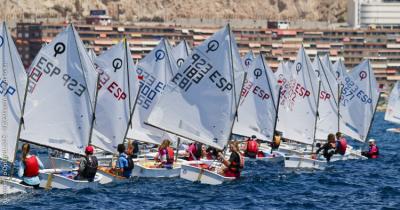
(96, 91)
(21, 121)
(316, 117)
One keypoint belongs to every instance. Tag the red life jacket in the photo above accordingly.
(31, 167)
(252, 146)
(170, 155)
(373, 152)
(342, 146)
(235, 168)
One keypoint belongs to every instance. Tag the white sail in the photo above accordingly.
(157, 70)
(298, 102)
(116, 96)
(358, 101)
(328, 118)
(92, 54)
(59, 103)
(393, 108)
(248, 59)
(258, 102)
(12, 89)
(340, 71)
(180, 52)
(201, 100)
(283, 74)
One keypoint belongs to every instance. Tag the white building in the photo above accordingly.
(363, 13)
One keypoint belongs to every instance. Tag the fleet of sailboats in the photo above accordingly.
(70, 98)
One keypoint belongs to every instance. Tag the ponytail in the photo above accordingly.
(25, 151)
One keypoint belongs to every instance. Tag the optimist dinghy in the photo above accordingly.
(60, 104)
(13, 79)
(196, 106)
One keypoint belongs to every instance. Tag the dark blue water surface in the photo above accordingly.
(356, 184)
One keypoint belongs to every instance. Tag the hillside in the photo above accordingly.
(133, 10)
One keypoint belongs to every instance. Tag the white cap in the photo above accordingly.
(371, 140)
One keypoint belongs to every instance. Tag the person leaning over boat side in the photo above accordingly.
(276, 142)
(235, 164)
(328, 148)
(194, 151)
(29, 168)
(373, 151)
(341, 144)
(87, 166)
(251, 147)
(124, 163)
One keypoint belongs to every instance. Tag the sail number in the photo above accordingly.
(45, 67)
(149, 87)
(196, 71)
(250, 87)
(352, 90)
(114, 89)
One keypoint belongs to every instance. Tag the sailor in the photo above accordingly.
(276, 140)
(87, 165)
(29, 168)
(212, 153)
(251, 147)
(135, 151)
(235, 164)
(165, 155)
(195, 151)
(125, 163)
(341, 144)
(373, 151)
(328, 148)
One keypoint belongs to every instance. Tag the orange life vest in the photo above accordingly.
(31, 167)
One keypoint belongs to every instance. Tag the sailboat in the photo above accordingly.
(298, 110)
(200, 102)
(257, 111)
(393, 108)
(156, 69)
(118, 88)
(60, 104)
(358, 103)
(13, 86)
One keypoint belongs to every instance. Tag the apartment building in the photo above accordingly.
(381, 46)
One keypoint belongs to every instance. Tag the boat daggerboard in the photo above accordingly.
(12, 90)
(359, 98)
(298, 102)
(201, 100)
(59, 103)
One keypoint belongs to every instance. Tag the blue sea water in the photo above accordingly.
(355, 184)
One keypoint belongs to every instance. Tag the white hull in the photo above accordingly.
(60, 181)
(275, 157)
(193, 173)
(10, 186)
(144, 168)
(111, 178)
(299, 162)
(394, 130)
